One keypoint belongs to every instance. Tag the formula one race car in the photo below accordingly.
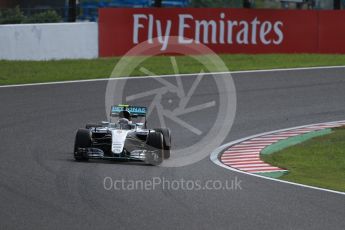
(123, 139)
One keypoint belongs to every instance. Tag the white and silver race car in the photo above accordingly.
(123, 139)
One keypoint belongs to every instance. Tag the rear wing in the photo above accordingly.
(134, 111)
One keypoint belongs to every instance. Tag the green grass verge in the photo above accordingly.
(319, 161)
(18, 72)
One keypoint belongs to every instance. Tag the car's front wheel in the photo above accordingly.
(155, 145)
(82, 140)
(166, 141)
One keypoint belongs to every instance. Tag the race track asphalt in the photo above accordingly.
(42, 187)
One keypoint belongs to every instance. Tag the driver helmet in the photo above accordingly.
(123, 121)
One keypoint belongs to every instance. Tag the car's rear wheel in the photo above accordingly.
(82, 140)
(156, 149)
(166, 141)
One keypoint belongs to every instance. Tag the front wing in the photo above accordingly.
(144, 155)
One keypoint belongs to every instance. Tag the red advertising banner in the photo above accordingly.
(222, 30)
(331, 32)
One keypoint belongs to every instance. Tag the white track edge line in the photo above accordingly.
(214, 157)
(171, 75)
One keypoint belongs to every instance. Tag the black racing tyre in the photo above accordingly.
(154, 142)
(166, 141)
(82, 140)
